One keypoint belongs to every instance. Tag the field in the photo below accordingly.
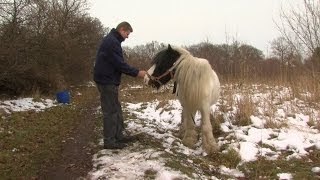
(264, 132)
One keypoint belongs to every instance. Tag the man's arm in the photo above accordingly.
(120, 64)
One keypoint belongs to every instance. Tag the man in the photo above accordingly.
(108, 68)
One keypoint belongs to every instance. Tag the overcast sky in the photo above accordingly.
(187, 22)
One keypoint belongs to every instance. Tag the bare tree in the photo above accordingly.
(13, 59)
(283, 50)
(301, 26)
(46, 42)
(12, 10)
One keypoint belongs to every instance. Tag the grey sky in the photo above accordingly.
(186, 22)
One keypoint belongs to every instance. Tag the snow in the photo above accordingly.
(26, 104)
(285, 176)
(293, 132)
(128, 164)
(227, 171)
(248, 151)
(316, 169)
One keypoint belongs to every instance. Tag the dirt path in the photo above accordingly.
(75, 160)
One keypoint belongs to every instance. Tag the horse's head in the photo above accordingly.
(162, 69)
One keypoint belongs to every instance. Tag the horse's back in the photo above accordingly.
(215, 88)
(211, 82)
(201, 86)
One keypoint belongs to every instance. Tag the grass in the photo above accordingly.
(33, 139)
(244, 111)
(231, 158)
(150, 174)
(259, 169)
(30, 140)
(266, 169)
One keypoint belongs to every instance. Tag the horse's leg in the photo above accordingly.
(208, 142)
(182, 129)
(190, 135)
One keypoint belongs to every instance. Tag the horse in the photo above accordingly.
(196, 86)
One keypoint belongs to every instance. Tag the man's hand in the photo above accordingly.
(142, 73)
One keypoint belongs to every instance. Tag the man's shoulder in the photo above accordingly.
(110, 39)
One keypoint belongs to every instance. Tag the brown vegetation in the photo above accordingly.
(46, 45)
(49, 45)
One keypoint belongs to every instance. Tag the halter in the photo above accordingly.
(169, 71)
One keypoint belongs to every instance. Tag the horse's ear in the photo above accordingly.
(169, 47)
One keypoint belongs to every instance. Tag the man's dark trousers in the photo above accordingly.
(112, 114)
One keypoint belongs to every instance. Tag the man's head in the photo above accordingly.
(124, 28)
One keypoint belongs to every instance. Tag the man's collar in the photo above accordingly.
(117, 34)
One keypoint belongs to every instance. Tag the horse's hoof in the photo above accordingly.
(189, 142)
(211, 149)
(181, 134)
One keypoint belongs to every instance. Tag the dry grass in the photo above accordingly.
(144, 94)
(216, 119)
(306, 88)
(33, 149)
(244, 111)
(239, 98)
(244, 108)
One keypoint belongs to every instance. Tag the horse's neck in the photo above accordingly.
(187, 86)
(185, 61)
(183, 76)
(192, 71)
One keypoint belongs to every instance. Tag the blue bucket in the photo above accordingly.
(63, 97)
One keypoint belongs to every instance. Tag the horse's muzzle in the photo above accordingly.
(147, 79)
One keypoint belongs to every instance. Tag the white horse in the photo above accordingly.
(197, 87)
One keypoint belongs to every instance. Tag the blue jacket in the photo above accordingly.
(110, 63)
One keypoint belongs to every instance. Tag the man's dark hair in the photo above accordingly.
(125, 25)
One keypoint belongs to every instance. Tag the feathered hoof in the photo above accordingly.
(181, 134)
(189, 142)
(211, 149)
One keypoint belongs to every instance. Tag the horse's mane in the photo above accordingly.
(181, 50)
(191, 74)
(158, 57)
